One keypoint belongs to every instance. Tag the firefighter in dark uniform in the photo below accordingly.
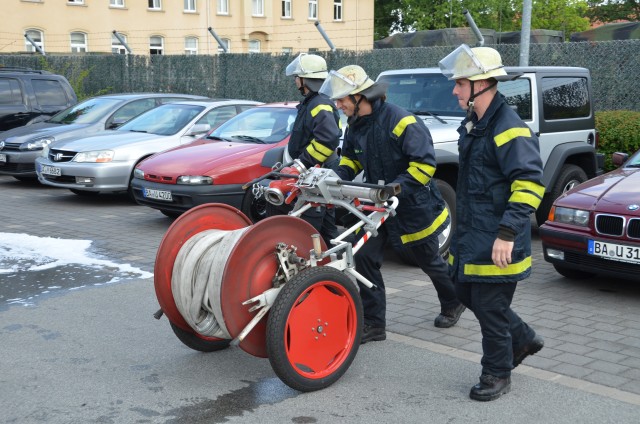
(390, 145)
(499, 187)
(315, 135)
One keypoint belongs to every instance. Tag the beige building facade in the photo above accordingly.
(170, 27)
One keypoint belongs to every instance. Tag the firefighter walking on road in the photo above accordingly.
(499, 187)
(315, 134)
(390, 145)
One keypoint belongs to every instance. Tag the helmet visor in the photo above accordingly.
(337, 86)
(462, 63)
(295, 67)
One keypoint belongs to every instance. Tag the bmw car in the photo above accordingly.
(105, 162)
(594, 228)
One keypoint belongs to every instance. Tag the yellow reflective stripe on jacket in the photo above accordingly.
(536, 188)
(316, 110)
(407, 238)
(353, 164)
(402, 125)
(492, 270)
(527, 198)
(510, 134)
(450, 259)
(421, 172)
(318, 151)
(527, 192)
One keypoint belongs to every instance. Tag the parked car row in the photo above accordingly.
(104, 162)
(173, 154)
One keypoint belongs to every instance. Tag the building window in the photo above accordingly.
(337, 10)
(75, 1)
(189, 5)
(313, 9)
(155, 4)
(258, 8)
(286, 8)
(191, 45)
(78, 42)
(227, 44)
(116, 45)
(287, 50)
(37, 36)
(223, 7)
(116, 3)
(156, 45)
(254, 46)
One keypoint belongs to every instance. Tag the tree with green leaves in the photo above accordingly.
(613, 10)
(500, 15)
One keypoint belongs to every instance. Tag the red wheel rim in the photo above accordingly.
(249, 271)
(201, 218)
(320, 330)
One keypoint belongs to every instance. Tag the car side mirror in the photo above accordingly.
(115, 124)
(198, 129)
(619, 158)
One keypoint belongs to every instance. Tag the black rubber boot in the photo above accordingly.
(373, 334)
(450, 317)
(530, 348)
(490, 387)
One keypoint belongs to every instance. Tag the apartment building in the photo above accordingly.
(145, 27)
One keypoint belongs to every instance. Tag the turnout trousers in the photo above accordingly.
(503, 331)
(369, 261)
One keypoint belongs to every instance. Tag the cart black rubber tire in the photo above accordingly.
(199, 343)
(569, 177)
(572, 273)
(309, 286)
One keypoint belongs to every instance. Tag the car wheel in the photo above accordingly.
(170, 214)
(570, 176)
(84, 193)
(254, 208)
(444, 239)
(26, 179)
(572, 273)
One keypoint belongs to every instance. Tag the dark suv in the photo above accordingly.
(28, 96)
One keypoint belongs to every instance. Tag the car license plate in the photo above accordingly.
(3, 157)
(51, 170)
(616, 252)
(158, 194)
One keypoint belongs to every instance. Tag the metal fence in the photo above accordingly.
(614, 66)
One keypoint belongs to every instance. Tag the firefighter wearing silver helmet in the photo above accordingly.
(499, 187)
(387, 143)
(315, 134)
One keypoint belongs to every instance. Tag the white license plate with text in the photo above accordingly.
(614, 251)
(51, 170)
(3, 157)
(158, 194)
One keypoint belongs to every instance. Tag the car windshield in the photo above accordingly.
(422, 94)
(634, 161)
(258, 125)
(167, 119)
(87, 112)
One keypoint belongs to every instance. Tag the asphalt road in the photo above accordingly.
(97, 355)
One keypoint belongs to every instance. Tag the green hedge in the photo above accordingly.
(619, 132)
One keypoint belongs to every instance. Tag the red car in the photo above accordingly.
(594, 228)
(213, 169)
